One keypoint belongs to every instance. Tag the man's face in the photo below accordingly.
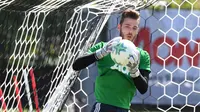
(129, 29)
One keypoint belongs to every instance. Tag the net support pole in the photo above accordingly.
(25, 74)
(34, 90)
(3, 101)
(17, 92)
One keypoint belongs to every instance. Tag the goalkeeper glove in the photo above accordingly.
(107, 48)
(133, 66)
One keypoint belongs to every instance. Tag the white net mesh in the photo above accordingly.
(173, 43)
(54, 32)
(178, 78)
(22, 58)
(4, 3)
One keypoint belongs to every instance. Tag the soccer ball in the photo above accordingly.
(124, 53)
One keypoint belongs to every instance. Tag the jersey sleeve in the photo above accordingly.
(96, 47)
(144, 60)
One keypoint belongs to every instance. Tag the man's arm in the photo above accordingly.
(84, 61)
(99, 51)
(141, 82)
(140, 72)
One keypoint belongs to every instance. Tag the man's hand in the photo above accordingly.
(133, 66)
(107, 48)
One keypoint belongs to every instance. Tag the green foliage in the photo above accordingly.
(184, 4)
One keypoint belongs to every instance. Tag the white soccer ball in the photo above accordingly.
(124, 53)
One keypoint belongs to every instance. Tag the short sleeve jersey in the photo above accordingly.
(113, 85)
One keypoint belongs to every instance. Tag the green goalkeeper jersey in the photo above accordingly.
(114, 85)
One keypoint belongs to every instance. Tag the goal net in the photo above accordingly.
(40, 39)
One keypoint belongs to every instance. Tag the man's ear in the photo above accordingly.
(119, 26)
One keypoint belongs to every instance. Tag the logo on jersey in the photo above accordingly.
(120, 68)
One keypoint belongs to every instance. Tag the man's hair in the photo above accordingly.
(129, 13)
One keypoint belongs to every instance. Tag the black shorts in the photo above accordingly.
(100, 107)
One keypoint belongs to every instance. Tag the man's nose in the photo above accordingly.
(130, 31)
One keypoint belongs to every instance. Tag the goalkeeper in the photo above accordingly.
(114, 89)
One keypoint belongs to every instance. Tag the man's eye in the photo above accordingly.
(134, 28)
